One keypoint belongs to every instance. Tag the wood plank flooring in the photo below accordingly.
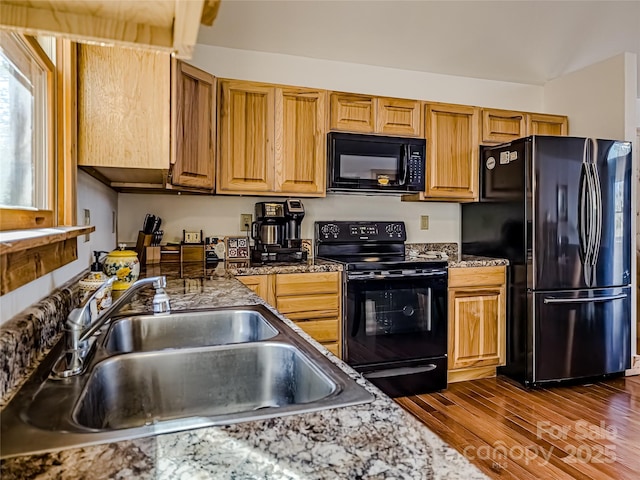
(509, 432)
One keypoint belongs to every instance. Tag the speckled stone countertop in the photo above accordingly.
(377, 440)
(449, 252)
(413, 251)
(311, 265)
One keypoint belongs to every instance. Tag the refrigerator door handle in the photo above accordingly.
(605, 298)
(597, 211)
(584, 205)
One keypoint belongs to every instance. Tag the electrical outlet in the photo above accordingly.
(424, 222)
(245, 222)
(87, 221)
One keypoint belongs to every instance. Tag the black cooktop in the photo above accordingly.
(387, 263)
(367, 246)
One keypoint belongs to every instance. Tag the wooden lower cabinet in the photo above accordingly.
(260, 285)
(311, 300)
(477, 322)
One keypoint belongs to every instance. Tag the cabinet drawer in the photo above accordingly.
(313, 306)
(476, 276)
(322, 330)
(289, 284)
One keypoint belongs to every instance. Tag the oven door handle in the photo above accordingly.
(396, 372)
(413, 276)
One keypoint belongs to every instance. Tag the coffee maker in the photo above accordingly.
(276, 232)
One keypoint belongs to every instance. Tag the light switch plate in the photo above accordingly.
(192, 237)
(424, 222)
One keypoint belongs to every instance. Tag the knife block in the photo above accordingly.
(144, 241)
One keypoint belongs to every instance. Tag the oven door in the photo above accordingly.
(395, 318)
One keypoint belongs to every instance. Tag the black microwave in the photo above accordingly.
(372, 163)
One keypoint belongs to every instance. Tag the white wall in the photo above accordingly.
(597, 98)
(219, 215)
(358, 78)
(101, 201)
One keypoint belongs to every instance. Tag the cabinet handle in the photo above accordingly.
(607, 298)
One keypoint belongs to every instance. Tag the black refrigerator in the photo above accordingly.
(559, 208)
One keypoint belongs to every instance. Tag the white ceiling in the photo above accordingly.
(517, 41)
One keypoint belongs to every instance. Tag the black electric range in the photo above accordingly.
(394, 307)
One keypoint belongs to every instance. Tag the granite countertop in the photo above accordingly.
(310, 265)
(378, 440)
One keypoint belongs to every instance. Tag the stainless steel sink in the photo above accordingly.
(168, 386)
(144, 333)
(133, 390)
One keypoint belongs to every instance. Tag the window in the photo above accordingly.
(37, 159)
(27, 107)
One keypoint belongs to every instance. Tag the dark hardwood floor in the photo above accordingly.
(585, 432)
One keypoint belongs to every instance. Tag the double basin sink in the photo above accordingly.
(154, 374)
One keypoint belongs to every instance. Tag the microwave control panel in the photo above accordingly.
(342, 231)
(415, 168)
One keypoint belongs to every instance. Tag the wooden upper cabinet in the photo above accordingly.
(193, 108)
(300, 130)
(452, 151)
(351, 112)
(542, 124)
(246, 138)
(397, 116)
(369, 114)
(272, 140)
(502, 125)
(124, 114)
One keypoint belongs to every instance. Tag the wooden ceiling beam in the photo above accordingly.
(83, 27)
(185, 26)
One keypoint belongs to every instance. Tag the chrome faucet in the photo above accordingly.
(80, 327)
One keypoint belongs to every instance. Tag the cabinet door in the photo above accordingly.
(502, 125)
(352, 113)
(246, 138)
(193, 101)
(539, 124)
(395, 116)
(123, 112)
(261, 285)
(300, 135)
(476, 327)
(452, 151)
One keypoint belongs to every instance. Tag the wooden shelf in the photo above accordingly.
(26, 255)
(13, 241)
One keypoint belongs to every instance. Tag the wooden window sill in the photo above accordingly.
(18, 240)
(26, 255)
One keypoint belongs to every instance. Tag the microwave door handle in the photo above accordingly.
(404, 161)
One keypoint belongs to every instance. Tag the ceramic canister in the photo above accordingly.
(124, 264)
(90, 284)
